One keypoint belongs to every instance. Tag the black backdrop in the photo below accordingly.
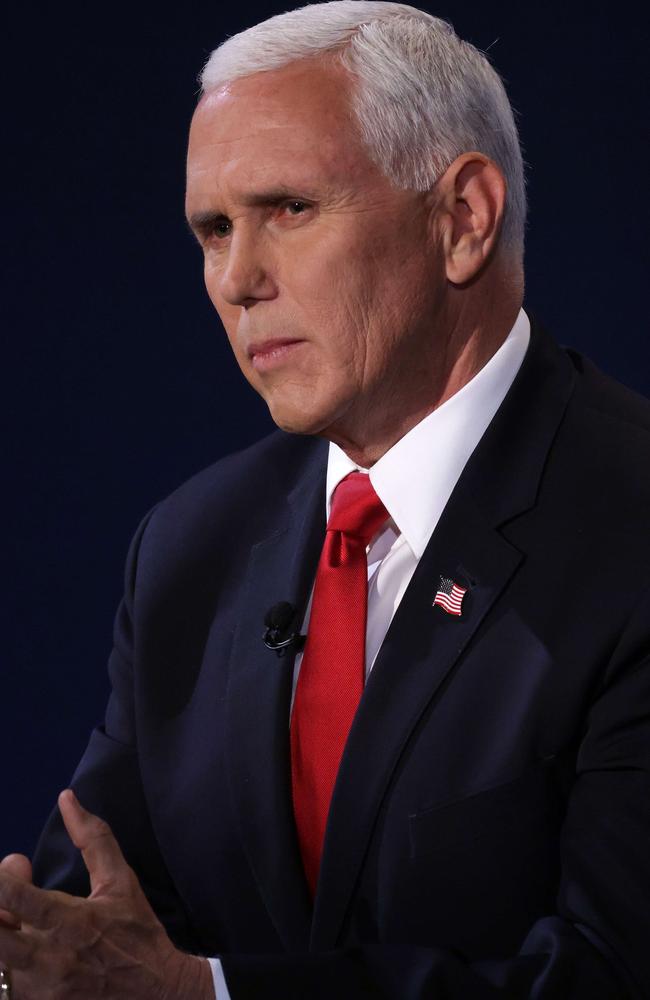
(119, 382)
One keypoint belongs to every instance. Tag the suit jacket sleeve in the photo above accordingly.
(108, 782)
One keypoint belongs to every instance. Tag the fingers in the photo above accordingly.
(103, 858)
(99, 848)
(7, 919)
(29, 904)
(16, 950)
(17, 865)
(21, 868)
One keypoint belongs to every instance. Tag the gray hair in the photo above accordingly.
(422, 95)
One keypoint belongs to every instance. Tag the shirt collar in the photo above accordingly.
(416, 477)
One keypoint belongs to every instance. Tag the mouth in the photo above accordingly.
(269, 354)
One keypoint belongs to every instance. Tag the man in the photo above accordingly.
(474, 821)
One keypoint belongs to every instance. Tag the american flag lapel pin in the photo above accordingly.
(449, 596)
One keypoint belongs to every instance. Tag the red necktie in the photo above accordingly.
(332, 671)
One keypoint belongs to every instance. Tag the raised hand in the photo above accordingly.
(110, 945)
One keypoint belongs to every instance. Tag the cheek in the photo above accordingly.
(228, 313)
(330, 296)
(230, 317)
(211, 281)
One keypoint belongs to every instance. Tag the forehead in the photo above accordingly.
(287, 126)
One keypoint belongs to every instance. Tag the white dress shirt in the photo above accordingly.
(414, 481)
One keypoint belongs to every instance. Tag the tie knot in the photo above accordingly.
(356, 508)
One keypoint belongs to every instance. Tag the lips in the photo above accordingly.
(272, 353)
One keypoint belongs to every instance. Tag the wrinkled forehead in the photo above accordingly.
(297, 117)
(309, 91)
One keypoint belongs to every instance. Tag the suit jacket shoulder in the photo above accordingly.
(599, 467)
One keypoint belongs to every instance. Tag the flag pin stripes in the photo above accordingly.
(449, 596)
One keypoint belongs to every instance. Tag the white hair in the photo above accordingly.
(421, 95)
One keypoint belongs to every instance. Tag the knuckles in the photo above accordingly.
(76, 947)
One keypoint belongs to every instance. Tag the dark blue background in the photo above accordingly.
(119, 380)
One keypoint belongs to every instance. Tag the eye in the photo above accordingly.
(222, 229)
(296, 207)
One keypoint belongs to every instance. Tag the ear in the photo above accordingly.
(470, 202)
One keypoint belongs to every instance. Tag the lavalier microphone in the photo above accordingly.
(281, 633)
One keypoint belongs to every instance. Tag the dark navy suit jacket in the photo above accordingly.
(489, 833)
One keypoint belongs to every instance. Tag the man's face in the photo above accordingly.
(327, 278)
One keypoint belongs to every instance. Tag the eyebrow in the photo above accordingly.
(201, 222)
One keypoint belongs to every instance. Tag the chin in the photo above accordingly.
(296, 419)
(295, 423)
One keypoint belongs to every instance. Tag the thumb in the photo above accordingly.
(21, 868)
(101, 853)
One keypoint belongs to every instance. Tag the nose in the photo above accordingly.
(246, 275)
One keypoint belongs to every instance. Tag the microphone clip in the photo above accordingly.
(281, 633)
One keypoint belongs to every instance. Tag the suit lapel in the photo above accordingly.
(281, 567)
(420, 649)
(423, 643)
